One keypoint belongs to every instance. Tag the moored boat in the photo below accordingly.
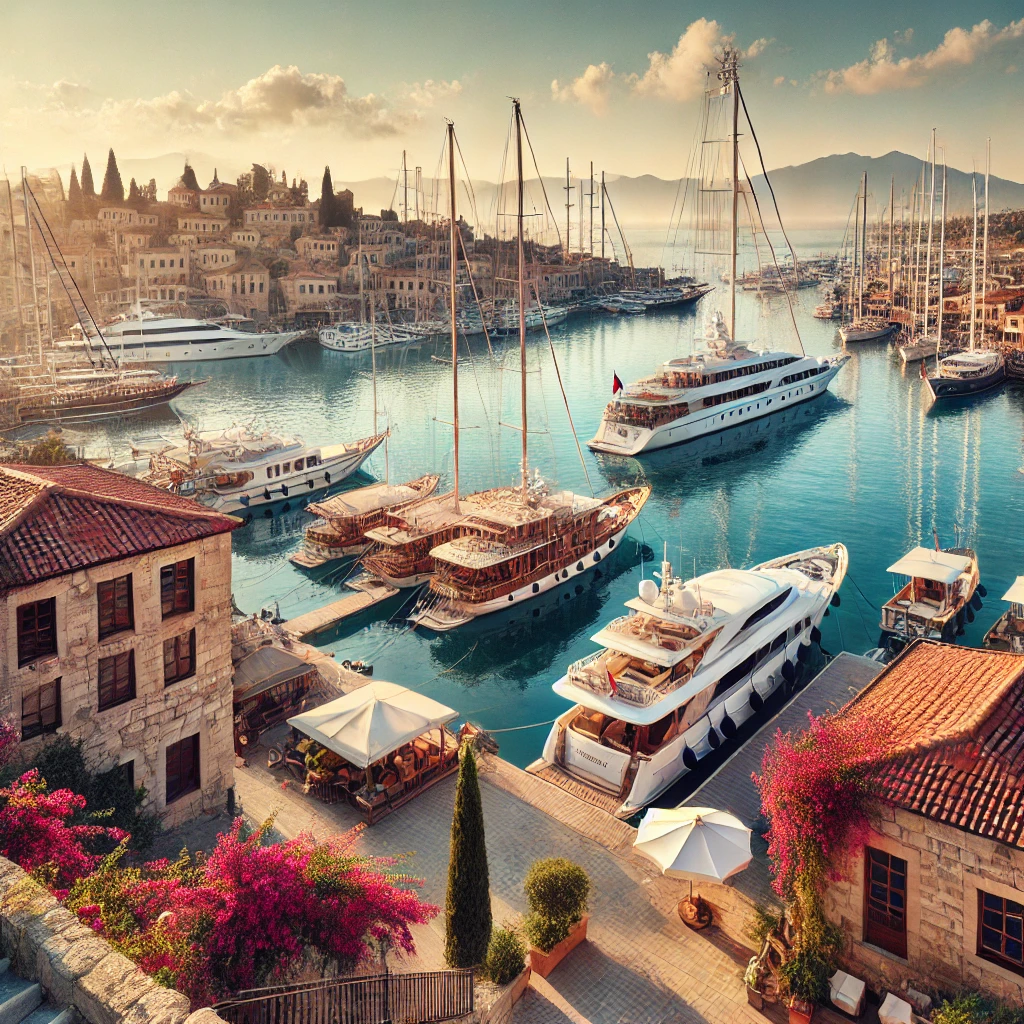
(1008, 632)
(967, 373)
(681, 672)
(868, 328)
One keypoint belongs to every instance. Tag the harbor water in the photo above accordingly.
(871, 464)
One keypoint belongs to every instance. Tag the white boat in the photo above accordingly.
(916, 351)
(354, 336)
(170, 339)
(724, 385)
(690, 663)
(620, 304)
(826, 311)
(867, 328)
(235, 470)
(507, 320)
(666, 297)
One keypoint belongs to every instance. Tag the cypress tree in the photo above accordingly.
(327, 210)
(74, 192)
(134, 195)
(88, 188)
(113, 187)
(188, 178)
(467, 910)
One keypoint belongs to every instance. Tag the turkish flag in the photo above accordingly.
(611, 679)
(616, 383)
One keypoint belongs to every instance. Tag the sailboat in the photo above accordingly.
(525, 539)
(976, 370)
(725, 382)
(863, 328)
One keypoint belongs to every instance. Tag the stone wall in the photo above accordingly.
(74, 966)
(946, 868)
(139, 730)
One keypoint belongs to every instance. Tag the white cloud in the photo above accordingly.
(430, 92)
(779, 80)
(882, 71)
(757, 47)
(592, 88)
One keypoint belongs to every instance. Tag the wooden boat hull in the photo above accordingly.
(944, 388)
(1003, 636)
(102, 406)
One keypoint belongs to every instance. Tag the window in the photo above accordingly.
(127, 770)
(179, 657)
(302, 289)
(885, 901)
(114, 601)
(117, 679)
(766, 609)
(40, 710)
(37, 630)
(177, 588)
(182, 767)
(1001, 930)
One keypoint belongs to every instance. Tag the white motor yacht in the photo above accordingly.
(720, 387)
(507, 320)
(867, 328)
(237, 469)
(689, 664)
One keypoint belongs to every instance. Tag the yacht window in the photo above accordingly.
(270, 472)
(312, 460)
(766, 609)
(287, 467)
(298, 465)
(277, 471)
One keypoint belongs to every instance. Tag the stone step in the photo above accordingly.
(46, 1014)
(18, 998)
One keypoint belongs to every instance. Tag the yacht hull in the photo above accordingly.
(943, 388)
(615, 439)
(242, 346)
(82, 409)
(880, 334)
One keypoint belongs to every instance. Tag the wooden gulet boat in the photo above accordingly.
(1008, 632)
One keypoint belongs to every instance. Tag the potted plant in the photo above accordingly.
(556, 893)
(806, 976)
(752, 979)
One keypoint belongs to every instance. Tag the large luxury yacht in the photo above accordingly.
(689, 664)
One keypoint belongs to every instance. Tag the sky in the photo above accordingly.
(304, 83)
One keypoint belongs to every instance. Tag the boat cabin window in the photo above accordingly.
(766, 609)
(734, 675)
(287, 467)
(928, 590)
(270, 472)
(657, 735)
(277, 471)
(312, 460)
(298, 465)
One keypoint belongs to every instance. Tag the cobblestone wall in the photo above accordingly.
(946, 868)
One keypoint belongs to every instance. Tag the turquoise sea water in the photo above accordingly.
(871, 464)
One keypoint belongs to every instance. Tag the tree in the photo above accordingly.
(149, 191)
(467, 910)
(88, 188)
(327, 211)
(261, 182)
(134, 195)
(113, 187)
(49, 450)
(188, 178)
(74, 192)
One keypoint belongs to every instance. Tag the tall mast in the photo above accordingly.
(521, 259)
(16, 266)
(942, 252)
(984, 248)
(602, 216)
(892, 224)
(974, 259)
(863, 248)
(568, 207)
(405, 186)
(373, 355)
(590, 207)
(931, 226)
(452, 284)
(31, 262)
(856, 242)
(917, 255)
(729, 76)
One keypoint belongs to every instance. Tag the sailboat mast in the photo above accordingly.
(974, 259)
(942, 250)
(31, 262)
(373, 355)
(892, 225)
(931, 226)
(521, 259)
(602, 220)
(568, 207)
(863, 248)
(452, 304)
(729, 76)
(984, 247)
(856, 242)
(590, 207)
(405, 187)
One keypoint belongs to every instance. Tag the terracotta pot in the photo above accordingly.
(800, 1012)
(755, 998)
(545, 963)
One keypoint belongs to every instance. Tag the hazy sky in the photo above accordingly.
(301, 83)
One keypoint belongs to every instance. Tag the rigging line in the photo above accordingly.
(476, 296)
(543, 189)
(468, 182)
(862, 594)
(518, 728)
(683, 186)
(561, 387)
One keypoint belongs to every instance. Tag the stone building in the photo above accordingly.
(304, 288)
(318, 248)
(935, 896)
(244, 287)
(115, 628)
(203, 224)
(162, 272)
(269, 219)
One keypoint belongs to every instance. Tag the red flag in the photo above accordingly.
(616, 383)
(924, 370)
(611, 678)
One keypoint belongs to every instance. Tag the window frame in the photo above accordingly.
(190, 576)
(41, 727)
(128, 686)
(185, 786)
(882, 935)
(986, 952)
(114, 628)
(190, 638)
(26, 654)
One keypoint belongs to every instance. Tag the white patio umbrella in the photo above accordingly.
(694, 842)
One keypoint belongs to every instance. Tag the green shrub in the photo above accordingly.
(506, 956)
(763, 924)
(965, 1008)
(806, 977)
(1008, 1015)
(545, 933)
(557, 889)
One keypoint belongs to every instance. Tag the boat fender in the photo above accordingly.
(827, 613)
(981, 590)
(960, 619)
(835, 602)
(244, 499)
(597, 556)
(266, 494)
(970, 615)
(728, 727)
(327, 477)
(788, 672)
(690, 759)
(756, 702)
(803, 652)
(309, 484)
(976, 601)
(284, 490)
(611, 543)
(579, 567)
(815, 635)
(960, 631)
(714, 740)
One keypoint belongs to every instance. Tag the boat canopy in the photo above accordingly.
(1015, 595)
(929, 564)
(266, 668)
(371, 722)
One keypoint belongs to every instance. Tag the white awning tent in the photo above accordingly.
(929, 564)
(371, 722)
(694, 842)
(1015, 595)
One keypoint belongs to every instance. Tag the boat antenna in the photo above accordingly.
(454, 260)
(521, 261)
(728, 75)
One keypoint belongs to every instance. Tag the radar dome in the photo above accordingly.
(648, 591)
(686, 602)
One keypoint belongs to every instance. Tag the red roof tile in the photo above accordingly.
(958, 719)
(56, 519)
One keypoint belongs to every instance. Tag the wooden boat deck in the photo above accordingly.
(366, 592)
(574, 786)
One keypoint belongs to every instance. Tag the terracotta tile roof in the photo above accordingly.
(958, 719)
(56, 519)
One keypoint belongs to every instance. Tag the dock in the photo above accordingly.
(367, 590)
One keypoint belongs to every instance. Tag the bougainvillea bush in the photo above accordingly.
(251, 913)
